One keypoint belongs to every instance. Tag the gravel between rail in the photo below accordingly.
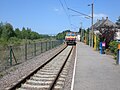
(17, 72)
(68, 80)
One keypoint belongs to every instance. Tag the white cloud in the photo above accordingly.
(56, 9)
(100, 15)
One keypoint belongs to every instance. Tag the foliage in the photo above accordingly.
(14, 41)
(1, 28)
(18, 33)
(97, 42)
(107, 35)
(113, 45)
(87, 36)
(83, 33)
(61, 36)
(7, 31)
(10, 36)
(3, 42)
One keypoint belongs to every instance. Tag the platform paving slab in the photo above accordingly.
(95, 71)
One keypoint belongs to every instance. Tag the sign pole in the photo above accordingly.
(118, 55)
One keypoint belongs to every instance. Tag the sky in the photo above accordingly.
(53, 16)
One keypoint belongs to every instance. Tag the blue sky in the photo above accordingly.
(50, 17)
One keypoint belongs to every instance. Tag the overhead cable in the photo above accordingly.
(65, 10)
(80, 13)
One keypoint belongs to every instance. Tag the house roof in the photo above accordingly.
(104, 23)
(99, 22)
(109, 23)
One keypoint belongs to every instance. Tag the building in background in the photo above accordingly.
(106, 31)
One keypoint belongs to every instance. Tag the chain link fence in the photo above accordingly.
(12, 55)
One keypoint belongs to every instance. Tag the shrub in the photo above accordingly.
(113, 47)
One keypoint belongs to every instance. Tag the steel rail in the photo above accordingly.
(57, 76)
(23, 80)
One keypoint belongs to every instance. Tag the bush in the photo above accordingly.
(113, 47)
(3, 42)
(14, 41)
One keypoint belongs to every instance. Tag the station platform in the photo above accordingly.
(95, 71)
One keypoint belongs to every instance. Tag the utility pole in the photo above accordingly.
(92, 33)
(81, 31)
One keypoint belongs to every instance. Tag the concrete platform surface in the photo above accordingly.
(95, 71)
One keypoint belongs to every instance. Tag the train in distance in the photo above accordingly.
(70, 38)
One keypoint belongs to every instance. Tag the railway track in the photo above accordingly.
(50, 76)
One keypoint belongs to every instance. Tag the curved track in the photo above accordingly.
(50, 76)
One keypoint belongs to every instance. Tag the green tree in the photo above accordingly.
(87, 36)
(24, 33)
(34, 35)
(1, 28)
(18, 33)
(61, 36)
(7, 31)
(28, 32)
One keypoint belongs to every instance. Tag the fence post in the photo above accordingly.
(34, 49)
(46, 46)
(10, 55)
(41, 47)
(58, 42)
(53, 44)
(49, 45)
(25, 51)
